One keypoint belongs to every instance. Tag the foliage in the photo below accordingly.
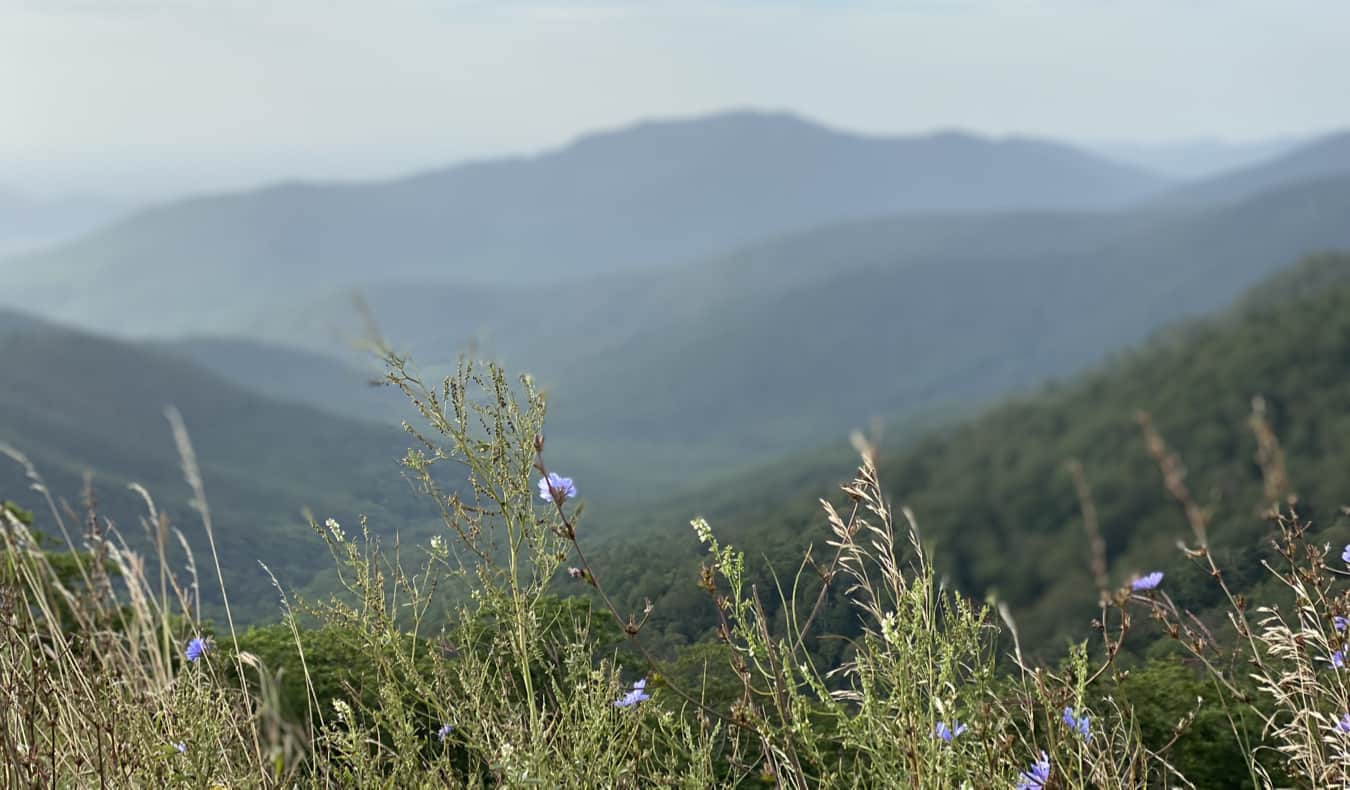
(517, 687)
(502, 652)
(1000, 506)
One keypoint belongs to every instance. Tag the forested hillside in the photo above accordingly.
(994, 500)
(73, 402)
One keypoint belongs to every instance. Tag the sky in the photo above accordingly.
(140, 98)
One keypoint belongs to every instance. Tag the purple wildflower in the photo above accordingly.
(1148, 581)
(1340, 622)
(634, 696)
(948, 732)
(1037, 776)
(196, 648)
(1345, 555)
(1078, 724)
(1343, 725)
(1338, 659)
(556, 489)
(445, 731)
(181, 747)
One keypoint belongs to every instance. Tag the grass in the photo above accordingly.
(495, 655)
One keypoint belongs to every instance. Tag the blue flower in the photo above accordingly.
(1338, 659)
(948, 732)
(1079, 724)
(444, 731)
(1340, 622)
(1344, 724)
(1345, 555)
(1149, 581)
(181, 747)
(1036, 777)
(633, 697)
(196, 649)
(556, 489)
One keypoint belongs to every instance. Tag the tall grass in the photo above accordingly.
(473, 661)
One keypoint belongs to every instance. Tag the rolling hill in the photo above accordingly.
(1321, 157)
(888, 333)
(28, 223)
(684, 374)
(631, 200)
(297, 376)
(996, 505)
(73, 402)
(1200, 158)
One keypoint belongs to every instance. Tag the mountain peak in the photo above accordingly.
(641, 197)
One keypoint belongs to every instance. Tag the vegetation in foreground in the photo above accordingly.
(459, 664)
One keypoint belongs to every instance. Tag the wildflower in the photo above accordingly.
(181, 747)
(1338, 659)
(633, 697)
(1343, 725)
(555, 489)
(948, 733)
(1078, 724)
(1037, 776)
(1149, 581)
(1345, 554)
(1340, 622)
(444, 731)
(195, 649)
(575, 573)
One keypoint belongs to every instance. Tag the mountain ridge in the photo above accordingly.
(627, 202)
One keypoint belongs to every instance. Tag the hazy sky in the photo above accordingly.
(155, 96)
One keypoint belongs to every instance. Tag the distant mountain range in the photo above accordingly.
(787, 362)
(29, 223)
(793, 341)
(700, 295)
(1319, 158)
(633, 200)
(1197, 159)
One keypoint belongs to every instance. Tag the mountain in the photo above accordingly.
(1196, 159)
(632, 200)
(27, 223)
(687, 373)
(801, 358)
(1000, 513)
(1322, 157)
(73, 401)
(296, 376)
